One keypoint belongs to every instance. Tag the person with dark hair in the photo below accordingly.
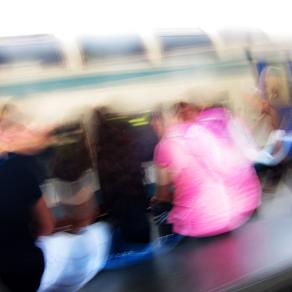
(73, 182)
(23, 216)
(215, 187)
(23, 212)
(121, 181)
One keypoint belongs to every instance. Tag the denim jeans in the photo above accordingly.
(134, 253)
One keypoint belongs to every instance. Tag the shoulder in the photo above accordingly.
(21, 164)
(20, 159)
(17, 175)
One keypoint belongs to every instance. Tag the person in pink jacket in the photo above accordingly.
(215, 186)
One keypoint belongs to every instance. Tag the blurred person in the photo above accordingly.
(24, 214)
(261, 106)
(74, 182)
(79, 248)
(162, 201)
(215, 186)
(121, 180)
(24, 217)
(271, 97)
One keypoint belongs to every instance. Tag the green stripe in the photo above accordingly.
(98, 80)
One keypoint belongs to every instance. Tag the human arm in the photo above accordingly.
(162, 159)
(81, 210)
(42, 218)
(70, 224)
(163, 184)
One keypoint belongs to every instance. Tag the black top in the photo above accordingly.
(19, 191)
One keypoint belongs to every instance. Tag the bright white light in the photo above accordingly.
(111, 16)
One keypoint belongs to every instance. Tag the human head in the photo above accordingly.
(16, 136)
(203, 100)
(272, 84)
(185, 111)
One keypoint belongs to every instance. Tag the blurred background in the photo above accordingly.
(58, 58)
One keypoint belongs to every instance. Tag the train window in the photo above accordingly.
(194, 47)
(37, 50)
(244, 37)
(97, 49)
(185, 41)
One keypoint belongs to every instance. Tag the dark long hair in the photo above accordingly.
(121, 179)
(119, 167)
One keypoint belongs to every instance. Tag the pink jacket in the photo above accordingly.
(216, 187)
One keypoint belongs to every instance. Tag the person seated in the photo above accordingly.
(73, 183)
(215, 186)
(121, 177)
(266, 110)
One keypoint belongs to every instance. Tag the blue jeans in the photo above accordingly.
(134, 253)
